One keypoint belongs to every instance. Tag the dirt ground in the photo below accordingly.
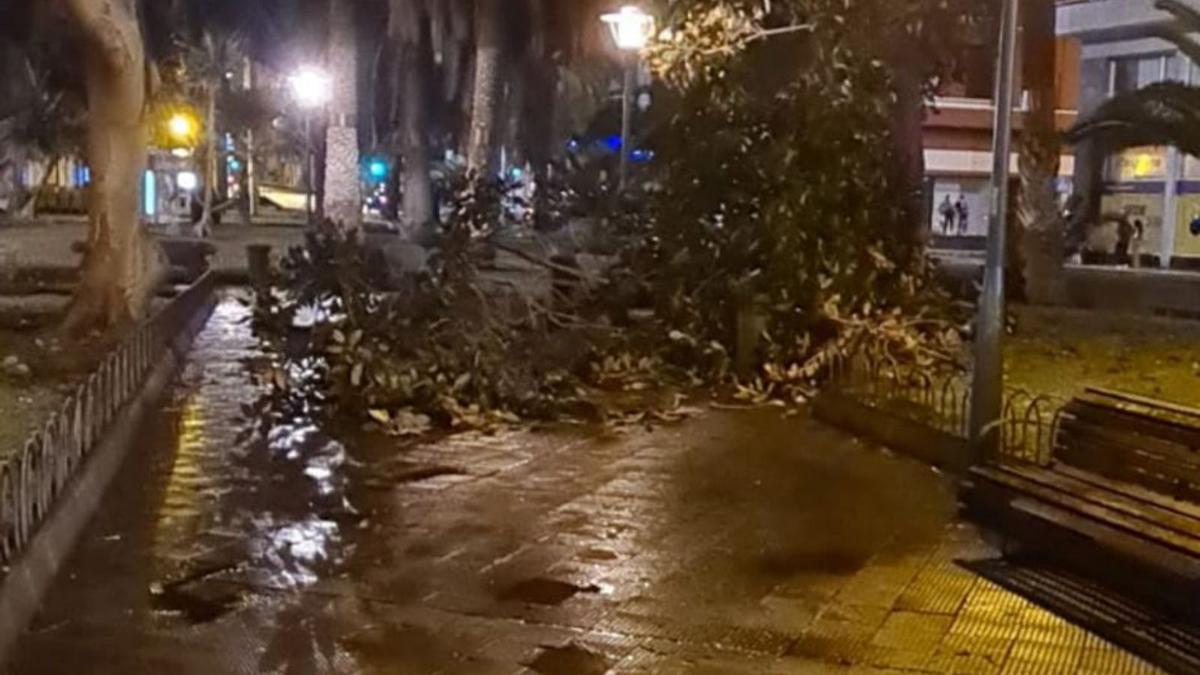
(55, 368)
(1060, 351)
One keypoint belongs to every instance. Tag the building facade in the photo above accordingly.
(958, 130)
(1157, 188)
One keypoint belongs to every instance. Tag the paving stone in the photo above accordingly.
(734, 543)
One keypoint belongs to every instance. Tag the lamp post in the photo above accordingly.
(312, 89)
(631, 29)
(987, 385)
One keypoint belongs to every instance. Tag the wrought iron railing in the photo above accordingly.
(941, 399)
(34, 477)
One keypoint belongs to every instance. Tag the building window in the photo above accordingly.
(1128, 74)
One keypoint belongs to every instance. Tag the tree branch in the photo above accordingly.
(783, 30)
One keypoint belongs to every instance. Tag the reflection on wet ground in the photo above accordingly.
(735, 543)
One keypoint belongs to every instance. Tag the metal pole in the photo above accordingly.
(251, 168)
(309, 168)
(987, 390)
(626, 114)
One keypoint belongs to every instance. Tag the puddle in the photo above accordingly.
(542, 591)
(570, 659)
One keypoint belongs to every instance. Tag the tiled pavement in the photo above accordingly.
(737, 542)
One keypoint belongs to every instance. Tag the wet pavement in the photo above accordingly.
(736, 542)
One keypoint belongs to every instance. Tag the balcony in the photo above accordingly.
(1106, 20)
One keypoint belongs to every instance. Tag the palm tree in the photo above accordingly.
(47, 125)
(410, 37)
(1041, 241)
(489, 67)
(1165, 113)
(207, 59)
(343, 191)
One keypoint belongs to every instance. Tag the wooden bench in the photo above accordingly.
(1120, 498)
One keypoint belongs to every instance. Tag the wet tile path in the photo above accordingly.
(737, 542)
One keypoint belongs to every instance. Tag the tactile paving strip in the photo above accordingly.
(1151, 635)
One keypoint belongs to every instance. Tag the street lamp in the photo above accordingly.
(311, 88)
(182, 128)
(631, 29)
(987, 380)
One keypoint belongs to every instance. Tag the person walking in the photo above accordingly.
(964, 214)
(1125, 232)
(946, 211)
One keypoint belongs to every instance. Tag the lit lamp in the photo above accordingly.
(311, 88)
(182, 128)
(631, 29)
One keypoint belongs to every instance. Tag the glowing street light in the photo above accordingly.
(182, 128)
(311, 87)
(630, 26)
(631, 29)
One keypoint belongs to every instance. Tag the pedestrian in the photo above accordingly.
(1135, 246)
(1125, 232)
(964, 214)
(946, 211)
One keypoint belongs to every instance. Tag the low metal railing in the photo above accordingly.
(941, 399)
(32, 479)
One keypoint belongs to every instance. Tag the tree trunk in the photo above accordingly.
(418, 188)
(343, 189)
(411, 32)
(122, 264)
(1042, 246)
(204, 227)
(909, 134)
(481, 148)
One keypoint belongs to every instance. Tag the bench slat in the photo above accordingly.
(1132, 490)
(1178, 414)
(1142, 425)
(1163, 424)
(1132, 525)
(1130, 458)
(1107, 462)
(1132, 450)
(1180, 565)
(1178, 522)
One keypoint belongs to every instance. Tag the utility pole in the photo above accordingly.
(987, 385)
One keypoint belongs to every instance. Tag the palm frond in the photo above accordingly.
(1187, 21)
(1166, 113)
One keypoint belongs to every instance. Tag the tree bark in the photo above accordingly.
(418, 187)
(410, 30)
(1042, 242)
(122, 264)
(481, 148)
(909, 134)
(204, 227)
(343, 189)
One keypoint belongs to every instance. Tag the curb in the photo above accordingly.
(31, 575)
(914, 439)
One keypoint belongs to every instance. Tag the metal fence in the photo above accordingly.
(36, 475)
(941, 399)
